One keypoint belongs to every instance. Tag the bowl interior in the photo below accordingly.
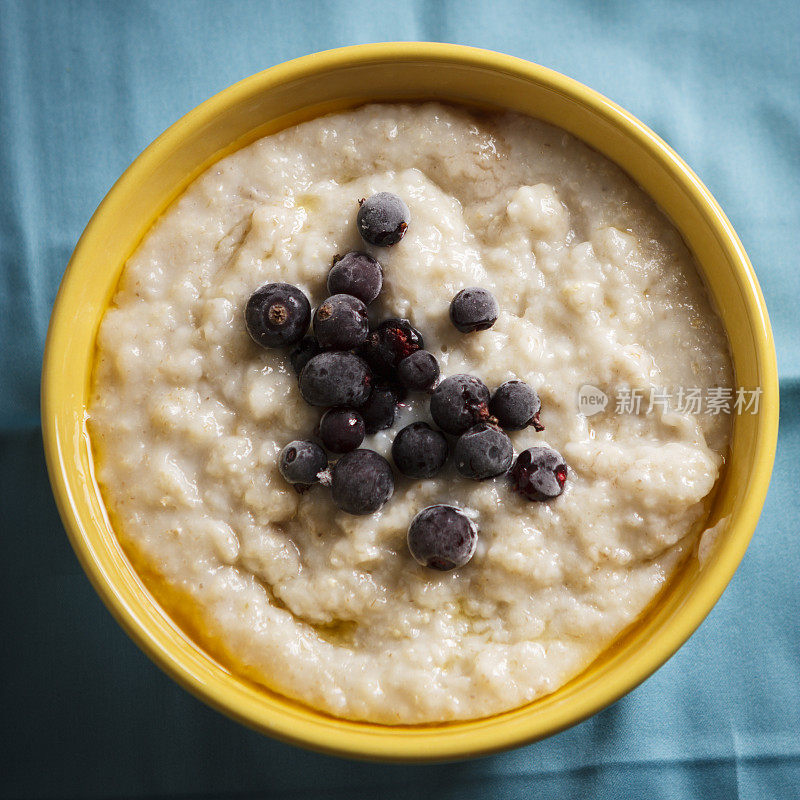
(317, 85)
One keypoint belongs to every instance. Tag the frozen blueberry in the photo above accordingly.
(357, 274)
(419, 371)
(301, 462)
(419, 451)
(459, 402)
(473, 309)
(341, 322)
(383, 219)
(277, 314)
(516, 405)
(442, 537)
(380, 409)
(391, 342)
(303, 352)
(483, 452)
(341, 429)
(362, 482)
(336, 379)
(539, 473)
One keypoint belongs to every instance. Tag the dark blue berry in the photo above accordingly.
(483, 452)
(303, 352)
(362, 482)
(301, 462)
(383, 219)
(516, 405)
(336, 379)
(380, 409)
(539, 473)
(442, 537)
(418, 451)
(459, 402)
(391, 342)
(419, 371)
(341, 429)
(341, 322)
(473, 309)
(357, 274)
(277, 314)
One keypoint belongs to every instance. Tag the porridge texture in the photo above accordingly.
(188, 415)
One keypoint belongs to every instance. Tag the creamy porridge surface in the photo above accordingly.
(188, 415)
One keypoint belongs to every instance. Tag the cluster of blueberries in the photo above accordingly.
(360, 375)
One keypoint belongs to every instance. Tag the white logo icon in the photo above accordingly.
(591, 400)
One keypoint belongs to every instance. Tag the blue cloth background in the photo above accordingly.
(84, 87)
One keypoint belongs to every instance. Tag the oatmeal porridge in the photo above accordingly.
(189, 417)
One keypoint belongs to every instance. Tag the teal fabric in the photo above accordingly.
(84, 87)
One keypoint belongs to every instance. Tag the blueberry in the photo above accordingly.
(483, 452)
(336, 379)
(516, 405)
(459, 402)
(301, 462)
(419, 451)
(357, 274)
(362, 482)
(419, 371)
(380, 409)
(383, 219)
(442, 537)
(303, 352)
(341, 429)
(391, 342)
(341, 322)
(277, 314)
(539, 473)
(473, 309)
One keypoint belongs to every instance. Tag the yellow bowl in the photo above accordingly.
(305, 88)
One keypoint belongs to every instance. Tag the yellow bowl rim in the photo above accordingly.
(323, 733)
